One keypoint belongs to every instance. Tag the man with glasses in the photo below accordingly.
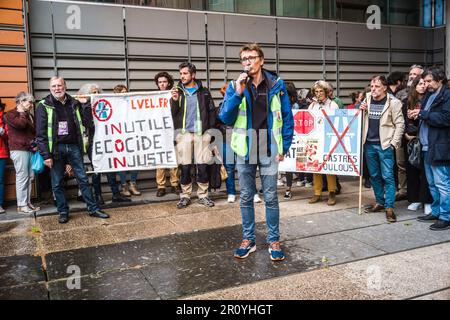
(257, 105)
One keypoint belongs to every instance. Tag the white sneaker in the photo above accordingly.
(308, 185)
(231, 198)
(301, 183)
(24, 209)
(427, 209)
(2, 210)
(280, 183)
(257, 199)
(415, 206)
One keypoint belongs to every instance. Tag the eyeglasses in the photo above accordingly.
(249, 58)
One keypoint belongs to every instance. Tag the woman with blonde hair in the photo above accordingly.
(321, 90)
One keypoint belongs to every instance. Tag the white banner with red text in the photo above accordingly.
(326, 142)
(133, 131)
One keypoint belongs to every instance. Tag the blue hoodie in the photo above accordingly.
(230, 110)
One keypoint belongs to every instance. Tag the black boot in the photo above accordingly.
(120, 198)
(99, 199)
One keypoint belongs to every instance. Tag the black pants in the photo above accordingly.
(202, 173)
(417, 184)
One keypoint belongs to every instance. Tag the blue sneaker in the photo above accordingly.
(245, 249)
(276, 254)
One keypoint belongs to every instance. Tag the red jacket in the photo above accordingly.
(21, 130)
(4, 153)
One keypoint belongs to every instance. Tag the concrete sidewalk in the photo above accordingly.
(155, 251)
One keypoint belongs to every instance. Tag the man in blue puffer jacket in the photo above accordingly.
(257, 106)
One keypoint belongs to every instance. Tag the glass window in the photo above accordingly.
(315, 9)
(241, 6)
(253, 6)
(221, 5)
(426, 13)
(404, 12)
(439, 6)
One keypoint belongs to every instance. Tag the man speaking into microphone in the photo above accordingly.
(257, 105)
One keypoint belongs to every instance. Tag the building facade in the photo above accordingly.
(128, 42)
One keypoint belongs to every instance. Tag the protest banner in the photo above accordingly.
(327, 142)
(133, 131)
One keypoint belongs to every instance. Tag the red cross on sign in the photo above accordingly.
(303, 122)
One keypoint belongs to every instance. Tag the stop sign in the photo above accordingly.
(303, 122)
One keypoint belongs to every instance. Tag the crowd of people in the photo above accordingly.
(406, 143)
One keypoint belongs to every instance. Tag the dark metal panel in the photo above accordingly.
(168, 49)
(438, 38)
(306, 32)
(408, 58)
(90, 24)
(40, 17)
(215, 27)
(409, 38)
(300, 32)
(358, 35)
(245, 29)
(42, 45)
(92, 63)
(89, 46)
(197, 26)
(363, 56)
(300, 54)
(156, 24)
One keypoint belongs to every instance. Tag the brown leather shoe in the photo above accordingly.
(390, 215)
(331, 199)
(315, 199)
(400, 196)
(374, 208)
(161, 192)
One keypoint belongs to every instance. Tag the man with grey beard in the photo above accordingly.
(59, 136)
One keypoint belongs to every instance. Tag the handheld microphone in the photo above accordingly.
(246, 71)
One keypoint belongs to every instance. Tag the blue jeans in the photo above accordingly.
(247, 182)
(133, 176)
(2, 180)
(381, 169)
(97, 177)
(230, 166)
(439, 183)
(71, 154)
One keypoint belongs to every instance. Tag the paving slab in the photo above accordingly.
(441, 295)
(201, 274)
(35, 291)
(399, 236)
(402, 275)
(323, 284)
(119, 285)
(76, 238)
(19, 270)
(331, 249)
(17, 245)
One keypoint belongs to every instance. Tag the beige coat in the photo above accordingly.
(392, 124)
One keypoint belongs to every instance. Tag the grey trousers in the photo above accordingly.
(24, 176)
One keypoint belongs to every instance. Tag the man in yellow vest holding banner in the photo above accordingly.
(59, 136)
(257, 105)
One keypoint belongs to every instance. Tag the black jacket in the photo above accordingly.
(42, 138)
(438, 120)
(206, 105)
